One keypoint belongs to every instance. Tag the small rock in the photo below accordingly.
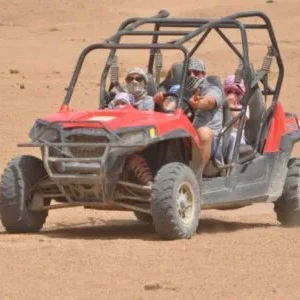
(54, 29)
(22, 86)
(152, 286)
(14, 71)
(41, 239)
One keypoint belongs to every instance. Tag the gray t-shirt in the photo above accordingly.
(145, 103)
(209, 118)
(212, 119)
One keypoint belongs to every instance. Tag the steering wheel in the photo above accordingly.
(185, 106)
(188, 109)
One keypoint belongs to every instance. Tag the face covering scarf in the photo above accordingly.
(193, 83)
(137, 89)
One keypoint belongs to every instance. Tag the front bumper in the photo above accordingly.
(86, 164)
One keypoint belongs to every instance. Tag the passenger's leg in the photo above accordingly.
(206, 138)
(232, 144)
(243, 139)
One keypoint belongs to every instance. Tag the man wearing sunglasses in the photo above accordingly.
(207, 100)
(136, 83)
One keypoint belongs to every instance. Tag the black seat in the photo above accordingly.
(256, 109)
(173, 77)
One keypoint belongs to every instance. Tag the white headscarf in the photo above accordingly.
(137, 89)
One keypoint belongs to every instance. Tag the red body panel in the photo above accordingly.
(126, 117)
(281, 124)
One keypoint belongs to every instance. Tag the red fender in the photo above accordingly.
(276, 130)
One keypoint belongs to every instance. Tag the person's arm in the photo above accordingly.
(203, 102)
(213, 99)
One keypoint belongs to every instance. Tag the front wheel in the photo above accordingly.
(17, 188)
(287, 207)
(175, 202)
(143, 217)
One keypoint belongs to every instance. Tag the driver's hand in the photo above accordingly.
(195, 99)
(159, 98)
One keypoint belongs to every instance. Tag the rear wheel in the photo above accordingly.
(17, 188)
(175, 202)
(287, 207)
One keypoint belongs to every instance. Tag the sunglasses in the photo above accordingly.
(233, 91)
(195, 72)
(136, 78)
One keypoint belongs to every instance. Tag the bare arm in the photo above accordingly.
(203, 102)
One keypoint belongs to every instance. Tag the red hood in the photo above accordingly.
(123, 118)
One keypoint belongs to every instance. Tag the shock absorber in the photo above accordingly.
(266, 65)
(238, 75)
(139, 167)
(114, 74)
(158, 61)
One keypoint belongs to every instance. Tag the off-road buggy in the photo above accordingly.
(149, 162)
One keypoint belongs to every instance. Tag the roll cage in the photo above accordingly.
(201, 28)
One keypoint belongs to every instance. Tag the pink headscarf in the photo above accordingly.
(230, 84)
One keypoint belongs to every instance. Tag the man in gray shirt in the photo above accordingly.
(207, 101)
(136, 82)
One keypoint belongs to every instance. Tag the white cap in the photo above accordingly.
(140, 71)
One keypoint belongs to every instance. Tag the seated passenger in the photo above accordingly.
(121, 100)
(207, 101)
(234, 91)
(136, 83)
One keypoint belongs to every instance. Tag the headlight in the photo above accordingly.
(133, 136)
(141, 135)
(49, 135)
(41, 132)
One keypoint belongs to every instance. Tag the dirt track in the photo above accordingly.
(85, 254)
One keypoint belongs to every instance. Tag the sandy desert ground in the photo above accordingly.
(85, 254)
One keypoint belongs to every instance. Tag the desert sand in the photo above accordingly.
(86, 254)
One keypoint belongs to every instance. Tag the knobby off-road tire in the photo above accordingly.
(175, 202)
(17, 181)
(287, 207)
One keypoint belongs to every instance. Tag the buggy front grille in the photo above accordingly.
(86, 136)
